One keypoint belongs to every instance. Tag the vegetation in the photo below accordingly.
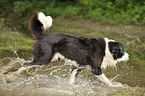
(81, 19)
(114, 11)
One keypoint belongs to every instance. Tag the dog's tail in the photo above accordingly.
(37, 21)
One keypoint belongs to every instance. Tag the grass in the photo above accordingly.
(15, 39)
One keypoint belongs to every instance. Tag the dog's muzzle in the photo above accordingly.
(125, 57)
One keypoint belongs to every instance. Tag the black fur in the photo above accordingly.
(82, 50)
(34, 26)
(116, 49)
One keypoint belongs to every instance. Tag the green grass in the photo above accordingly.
(15, 39)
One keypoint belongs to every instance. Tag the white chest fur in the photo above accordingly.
(108, 59)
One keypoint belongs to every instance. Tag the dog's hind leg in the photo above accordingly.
(42, 56)
(75, 71)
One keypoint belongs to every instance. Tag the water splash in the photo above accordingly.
(53, 80)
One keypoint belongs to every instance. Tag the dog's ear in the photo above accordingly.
(116, 49)
(114, 46)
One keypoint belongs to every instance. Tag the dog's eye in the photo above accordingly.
(115, 51)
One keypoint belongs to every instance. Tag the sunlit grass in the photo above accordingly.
(14, 39)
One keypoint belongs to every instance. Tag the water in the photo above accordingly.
(54, 83)
(52, 80)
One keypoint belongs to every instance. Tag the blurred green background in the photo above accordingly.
(113, 11)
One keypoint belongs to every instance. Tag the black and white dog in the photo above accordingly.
(81, 52)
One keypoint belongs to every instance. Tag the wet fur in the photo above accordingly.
(80, 50)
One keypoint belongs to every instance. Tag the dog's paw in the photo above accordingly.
(29, 65)
(71, 81)
(119, 85)
(116, 85)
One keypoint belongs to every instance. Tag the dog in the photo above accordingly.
(97, 53)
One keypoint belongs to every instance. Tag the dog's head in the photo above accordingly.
(114, 52)
(117, 51)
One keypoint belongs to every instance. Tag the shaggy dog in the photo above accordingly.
(80, 51)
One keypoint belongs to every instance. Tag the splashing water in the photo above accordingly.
(51, 80)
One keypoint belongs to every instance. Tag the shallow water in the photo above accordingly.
(53, 81)
(52, 87)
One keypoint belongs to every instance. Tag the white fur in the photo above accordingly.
(72, 77)
(45, 20)
(104, 79)
(108, 59)
(58, 55)
(125, 57)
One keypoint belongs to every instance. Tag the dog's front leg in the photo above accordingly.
(73, 76)
(98, 73)
(104, 79)
(75, 71)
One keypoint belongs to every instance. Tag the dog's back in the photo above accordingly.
(95, 52)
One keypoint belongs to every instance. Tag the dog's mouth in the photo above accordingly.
(125, 57)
